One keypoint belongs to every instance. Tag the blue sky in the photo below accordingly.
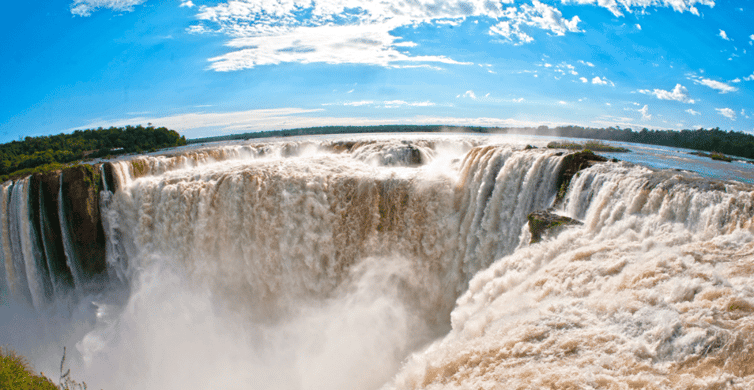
(209, 68)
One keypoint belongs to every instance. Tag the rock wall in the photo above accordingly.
(80, 197)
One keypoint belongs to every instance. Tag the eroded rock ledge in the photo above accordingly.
(544, 223)
(572, 164)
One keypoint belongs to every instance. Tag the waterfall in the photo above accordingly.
(70, 256)
(295, 264)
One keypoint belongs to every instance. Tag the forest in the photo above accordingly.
(20, 158)
(713, 140)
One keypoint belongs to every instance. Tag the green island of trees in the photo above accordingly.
(35, 154)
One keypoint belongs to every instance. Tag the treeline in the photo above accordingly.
(712, 140)
(343, 130)
(22, 157)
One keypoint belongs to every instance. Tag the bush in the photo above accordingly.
(16, 374)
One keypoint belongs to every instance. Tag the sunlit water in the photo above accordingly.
(403, 262)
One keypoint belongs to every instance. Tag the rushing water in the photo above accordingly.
(398, 262)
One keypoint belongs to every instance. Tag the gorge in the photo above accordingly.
(382, 261)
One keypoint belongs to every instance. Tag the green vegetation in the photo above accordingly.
(16, 374)
(713, 140)
(589, 145)
(714, 156)
(39, 154)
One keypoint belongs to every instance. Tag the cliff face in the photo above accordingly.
(48, 223)
(80, 196)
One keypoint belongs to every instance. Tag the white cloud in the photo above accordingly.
(736, 80)
(692, 112)
(645, 113)
(562, 102)
(718, 85)
(359, 103)
(537, 15)
(384, 104)
(325, 44)
(344, 31)
(727, 112)
(469, 94)
(640, 6)
(519, 100)
(679, 93)
(187, 4)
(269, 23)
(638, 27)
(749, 78)
(751, 39)
(86, 7)
(602, 81)
(723, 35)
(583, 79)
(587, 63)
(400, 103)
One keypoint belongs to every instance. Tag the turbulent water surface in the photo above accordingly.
(395, 262)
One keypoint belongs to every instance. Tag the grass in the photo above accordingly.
(17, 374)
(589, 145)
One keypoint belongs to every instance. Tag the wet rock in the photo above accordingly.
(50, 233)
(80, 189)
(544, 224)
(572, 164)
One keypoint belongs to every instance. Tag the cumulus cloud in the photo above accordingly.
(727, 112)
(537, 15)
(583, 79)
(86, 7)
(187, 4)
(602, 81)
(718, 85)
(679, 93)
(723, 35)
(692, 112)
(749, 78)
(645, 113)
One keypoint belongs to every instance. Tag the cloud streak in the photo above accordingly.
(207, 124)
(86, 7)
(714, 84)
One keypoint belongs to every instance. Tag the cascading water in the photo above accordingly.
(406, 264)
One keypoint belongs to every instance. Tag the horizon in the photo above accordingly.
(216, 68)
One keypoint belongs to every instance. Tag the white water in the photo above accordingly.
(314, 266)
